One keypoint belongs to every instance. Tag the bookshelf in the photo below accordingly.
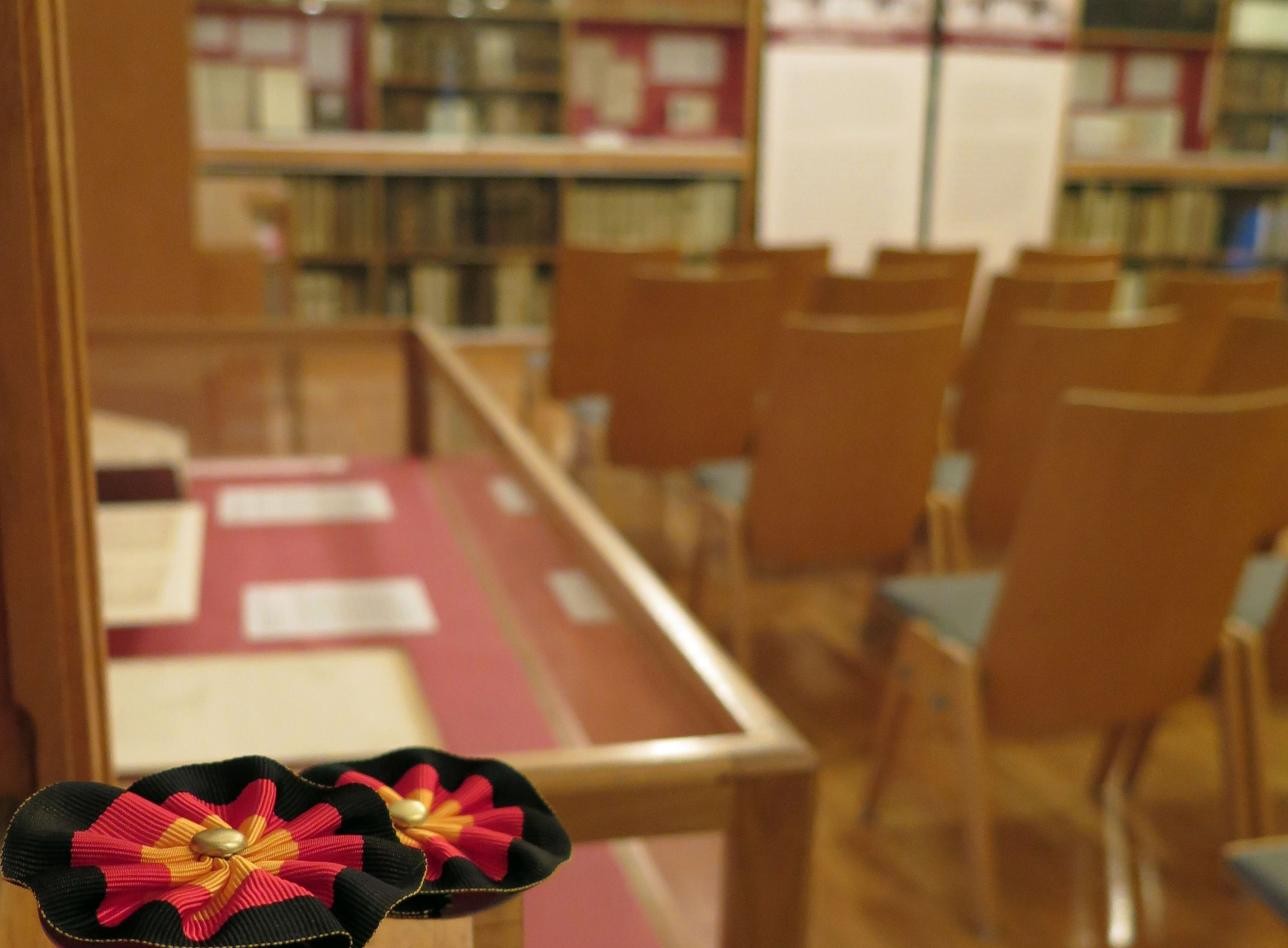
(604, 121)
(1250, 88)
(373, 217)
(1209, 187)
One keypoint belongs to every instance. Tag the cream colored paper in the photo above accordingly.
(298, 707)
(150, 558)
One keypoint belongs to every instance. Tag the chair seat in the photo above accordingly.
(591, 411)
(1260, 589)
(953, 473)
(1265, 872)
(959, 607)
(729, 480)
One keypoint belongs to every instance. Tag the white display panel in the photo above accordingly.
(997, 155)
(842, 134)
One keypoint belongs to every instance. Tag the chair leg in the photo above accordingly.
(890, 728)
(739, 592)
(958, 537)
(972, 747)
(1234, 733)
(700, 563)
(1256, 691)
(1106, 757)
(937, 534)
(1139, 736)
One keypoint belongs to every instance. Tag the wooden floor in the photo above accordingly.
(1073, 873)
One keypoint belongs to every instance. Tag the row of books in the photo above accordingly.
(430, 213)
(1191, 16)
(333, 215)
(460, 53)
(697, 216)
(1257, 228)
(328, 295)
(1256, 83)
(228, 97)
(330, 215)
(1267, 134)
(512, 293)
(1182, 223)
(487, 113)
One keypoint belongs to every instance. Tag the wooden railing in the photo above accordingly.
(755, 782)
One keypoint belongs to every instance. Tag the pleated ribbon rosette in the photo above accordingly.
(301, 864)
(485, 832)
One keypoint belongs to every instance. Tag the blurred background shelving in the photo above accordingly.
(1177, 138)
(430, 155)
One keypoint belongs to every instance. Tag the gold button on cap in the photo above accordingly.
(219, 843)
(408, 812)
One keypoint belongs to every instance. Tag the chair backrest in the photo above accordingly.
(1213, 292)
(795, 268)
(847, 438)
(890, 293)
(690, 362)
(1043, 356)
(962, 262)
(1009, 295)
(589, 296)
(1252, 355)
(1055, 258)
(1130, 543)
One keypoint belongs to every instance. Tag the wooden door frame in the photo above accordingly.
(52, 646)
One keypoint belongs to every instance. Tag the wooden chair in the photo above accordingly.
(976, 497)
(1214, 292)
(961, 262)
(795, 269)
(1054, 258)
(590, 293)
(842, 455)
(1009, 295)
(1111, 606)
(691, 358)
(894, 292)
(1252, 354)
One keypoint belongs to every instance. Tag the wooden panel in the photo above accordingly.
(380, 153)
(1218, 170)
(129, 84)
(51, 662)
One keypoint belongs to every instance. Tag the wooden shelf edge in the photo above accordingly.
(393, 154)
(1146, 39)
(1222, 171)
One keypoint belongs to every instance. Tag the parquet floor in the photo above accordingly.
(1073, 873)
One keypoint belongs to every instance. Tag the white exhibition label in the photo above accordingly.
(277, 504)
(336, 608)
(509, 496)
(579, 598)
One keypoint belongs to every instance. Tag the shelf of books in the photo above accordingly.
(437, 152)
(1178, 134)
